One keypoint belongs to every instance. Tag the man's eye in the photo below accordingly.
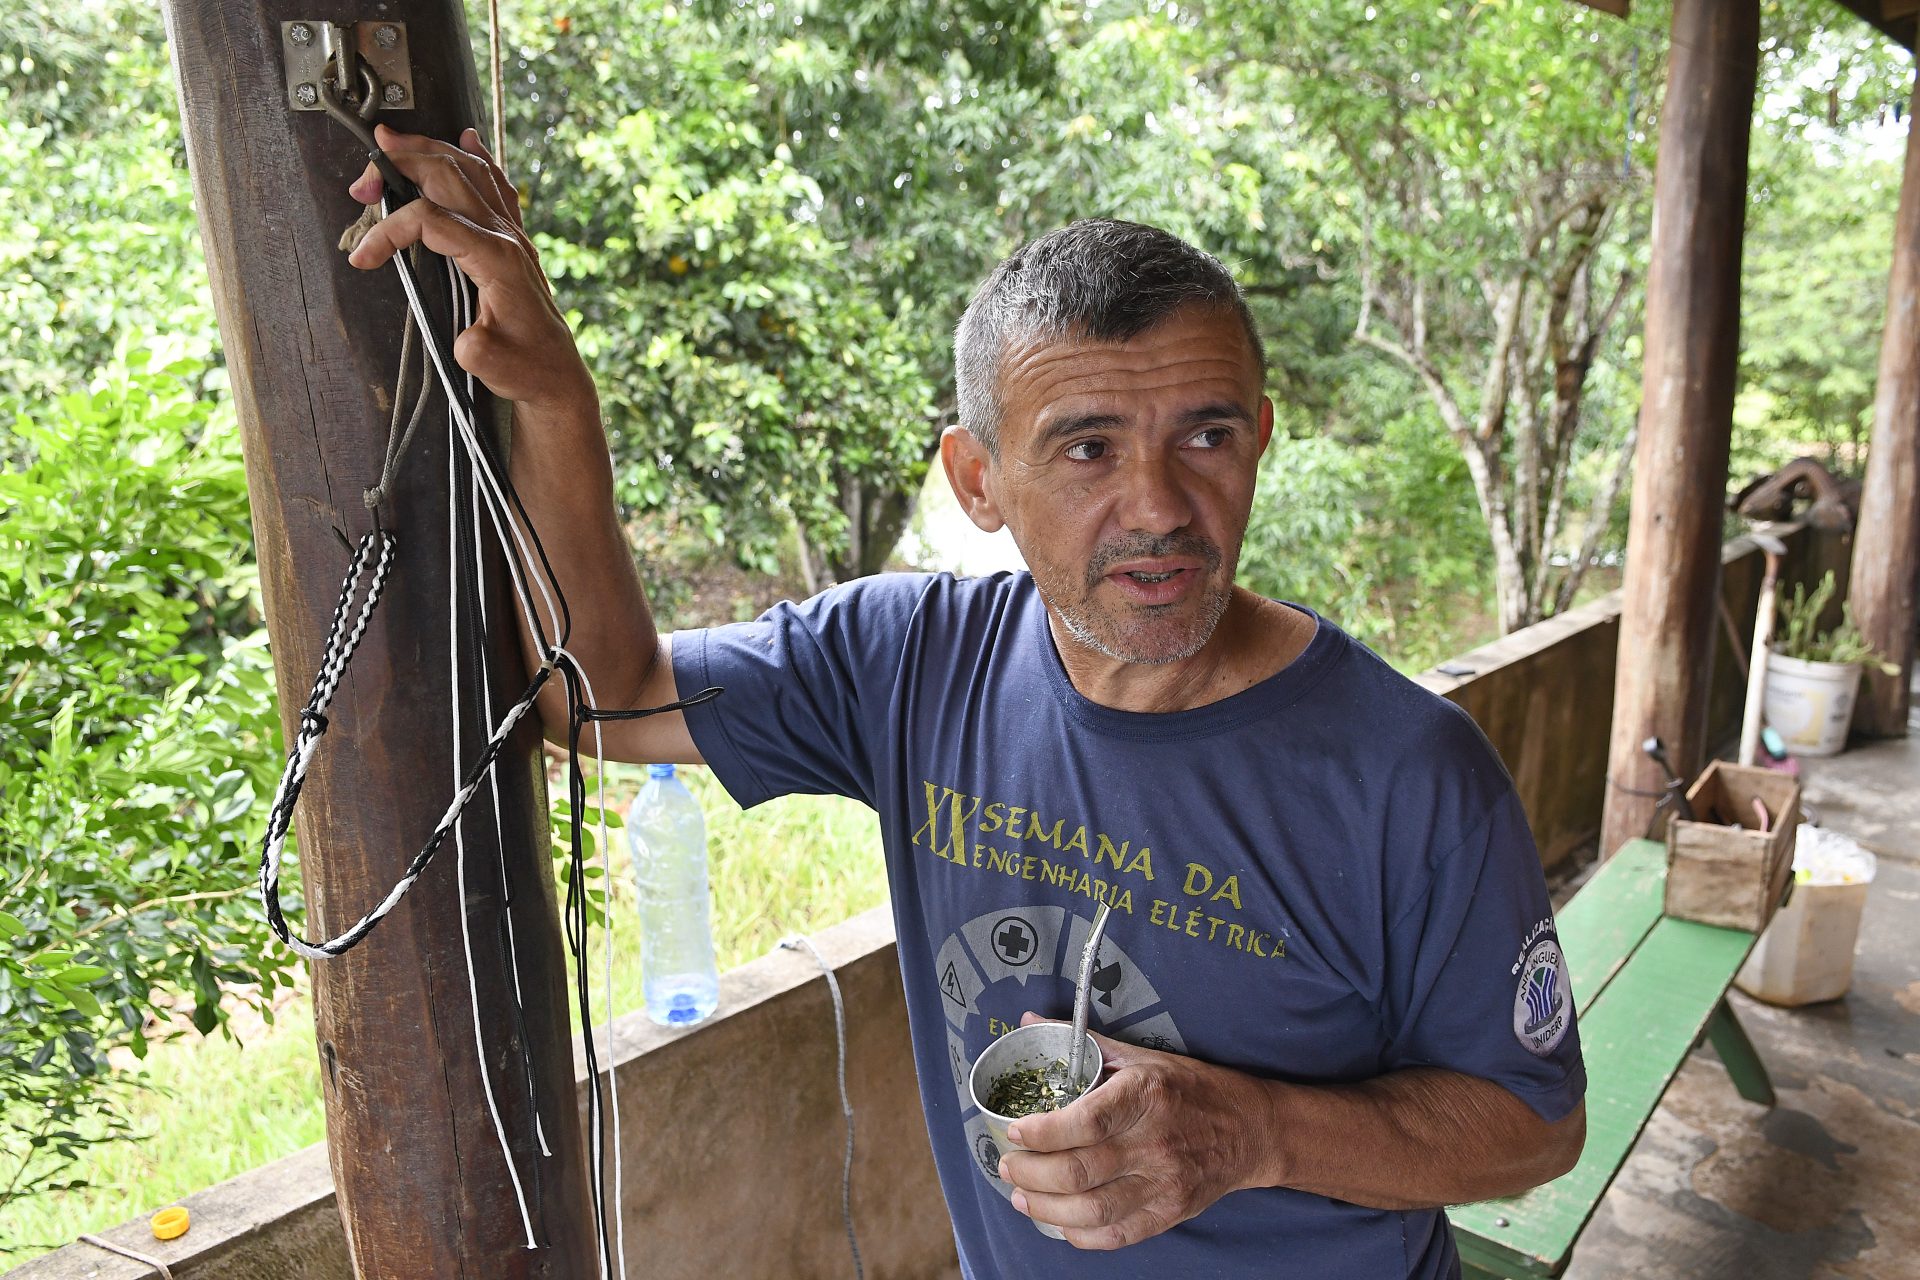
(1212, 437)
(1087, 450)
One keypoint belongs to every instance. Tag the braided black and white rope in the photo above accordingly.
(313, 725)
(344, 634)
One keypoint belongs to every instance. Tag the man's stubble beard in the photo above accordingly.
(1085, 624)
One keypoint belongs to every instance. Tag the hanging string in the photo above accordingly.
(1633, 93)
(508, 941)
(160, 1268)
(457, 577)
(799, 940)
(606, 874)
(499, 81)
(400, 436)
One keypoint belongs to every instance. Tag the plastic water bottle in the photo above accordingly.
(667, 838)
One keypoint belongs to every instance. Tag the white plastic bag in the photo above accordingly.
(1823, 857)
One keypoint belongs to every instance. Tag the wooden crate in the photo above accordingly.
(1721, 868)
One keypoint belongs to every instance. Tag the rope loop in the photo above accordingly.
(344, 633)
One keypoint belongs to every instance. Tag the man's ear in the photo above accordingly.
(969, 470)
(1266, 423)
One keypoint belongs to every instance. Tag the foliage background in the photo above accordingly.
(765, 220)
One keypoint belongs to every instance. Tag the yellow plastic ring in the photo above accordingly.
(170, 1224)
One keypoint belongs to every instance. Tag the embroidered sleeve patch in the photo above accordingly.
(1543, 1003)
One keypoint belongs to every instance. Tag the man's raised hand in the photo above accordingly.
(1161, 1139)
(519, 344)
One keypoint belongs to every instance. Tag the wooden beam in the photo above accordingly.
(312, 346)
(1618, 8)
(1894, 18)
(1886, 549)
(1663, 675)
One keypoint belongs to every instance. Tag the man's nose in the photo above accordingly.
(1153, 497)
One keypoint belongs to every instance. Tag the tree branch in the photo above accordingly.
(1429, 376)
(1597, 513)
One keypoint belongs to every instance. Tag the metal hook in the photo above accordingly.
(355, 119)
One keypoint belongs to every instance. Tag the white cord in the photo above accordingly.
(459, 834)
(487, 493)
(471, 440)
(160, 1268)
(499, 825)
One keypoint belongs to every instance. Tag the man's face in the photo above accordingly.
(1126, 474)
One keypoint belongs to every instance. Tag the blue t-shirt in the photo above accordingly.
(1320, 879)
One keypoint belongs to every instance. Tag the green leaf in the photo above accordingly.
(81, 999)
(80, 974)
(54, 995)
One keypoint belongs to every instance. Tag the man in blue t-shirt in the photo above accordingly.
(1330, 996)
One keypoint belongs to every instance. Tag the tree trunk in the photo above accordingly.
(312, 346)
(1886, 552)
(1664, 671)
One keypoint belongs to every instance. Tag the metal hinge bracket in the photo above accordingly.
(356, 59)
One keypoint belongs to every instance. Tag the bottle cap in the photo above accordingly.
(170, 1224)
(659, 771)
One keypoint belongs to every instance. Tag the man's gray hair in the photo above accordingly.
(1099, 279)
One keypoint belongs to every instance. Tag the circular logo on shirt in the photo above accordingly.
(988, 1153)
(1015, 941)
(1543, 1005)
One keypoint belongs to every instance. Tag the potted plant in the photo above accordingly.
(1813, 676)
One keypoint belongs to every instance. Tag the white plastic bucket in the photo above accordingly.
(1811, 703)
(1806, 953)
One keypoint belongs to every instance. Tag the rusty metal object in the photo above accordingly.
(1833, 501)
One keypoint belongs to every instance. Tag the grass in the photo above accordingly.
(791, 866)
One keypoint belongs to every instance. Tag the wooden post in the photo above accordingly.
(312, 346)
(1692, 345)
(1886, 549)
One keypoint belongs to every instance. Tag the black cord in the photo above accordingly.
(577, 941)
(1667, 797)
(579, 715)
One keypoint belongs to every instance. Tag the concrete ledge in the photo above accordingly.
(732, 1131)
(277, 1222)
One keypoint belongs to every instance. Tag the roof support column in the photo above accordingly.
(312, 346)
(1886, 548)
(1692, 346)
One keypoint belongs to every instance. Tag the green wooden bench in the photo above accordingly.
(1647, 988)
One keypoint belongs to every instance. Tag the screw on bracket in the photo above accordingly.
(394, 94)
(306, 95)
(386, 35)
(300, 33)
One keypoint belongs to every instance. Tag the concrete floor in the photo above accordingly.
(1827, 1183)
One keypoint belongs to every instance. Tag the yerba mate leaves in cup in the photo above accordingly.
(1028, 1091)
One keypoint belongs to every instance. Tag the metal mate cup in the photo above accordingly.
(1037, 1045)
